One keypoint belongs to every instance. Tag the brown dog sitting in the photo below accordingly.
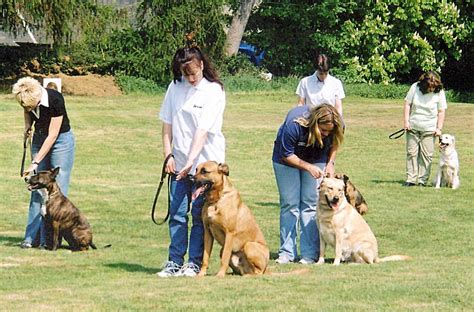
(343, 228)
(229, 221)
(353, 196)
(62, 217)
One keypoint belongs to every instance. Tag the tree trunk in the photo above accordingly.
(237, 27)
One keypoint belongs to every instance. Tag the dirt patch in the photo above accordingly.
(90, 84)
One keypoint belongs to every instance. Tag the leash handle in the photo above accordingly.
(397, 134)
(157, 194)
(26, 142)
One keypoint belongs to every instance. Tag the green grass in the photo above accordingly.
(117, 169)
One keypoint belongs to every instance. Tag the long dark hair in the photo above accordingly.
(185, 55)
(430, 80)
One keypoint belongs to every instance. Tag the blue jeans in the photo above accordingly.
(61, 155)
(180, 192)
(298, 201)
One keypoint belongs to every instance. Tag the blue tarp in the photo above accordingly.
(255, 56)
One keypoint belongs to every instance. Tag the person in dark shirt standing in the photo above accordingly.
(53, 146)
(304, 151)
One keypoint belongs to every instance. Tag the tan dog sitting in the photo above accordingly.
(353, 195)
(229, 221)
(342, 227)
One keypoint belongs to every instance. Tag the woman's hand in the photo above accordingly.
(438, 132)
(185, 171)
(170, 166)
(315, 171)
(407, 126)
(329, 171)
(31, 168)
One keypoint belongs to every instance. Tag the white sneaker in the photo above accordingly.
(169, 269)
(189, 270)
(282, 260)
(306, 261)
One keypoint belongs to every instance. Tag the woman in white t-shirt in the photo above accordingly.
(192, 114)
(424, 111)
(321, 87)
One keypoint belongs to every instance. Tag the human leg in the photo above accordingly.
(412, 148)
(427, 145)
(62, 156)
(178, 220)
(288, 183)
(35, 219)
(196, 238)
(309, 234)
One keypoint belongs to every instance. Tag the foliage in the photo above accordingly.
(162, 27)
(137, 85)
(115, 176)
(370, 41)
(56, 17)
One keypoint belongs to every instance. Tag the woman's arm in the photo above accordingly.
(406, 116)
(297, 162)
(28, 124)
(300, 101)
(331, 162)
(338, 106)
(53, 133)
(440, 122)
(199, 139)
(167, 139)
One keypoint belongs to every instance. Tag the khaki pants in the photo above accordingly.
(420, 148)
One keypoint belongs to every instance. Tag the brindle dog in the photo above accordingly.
(353, 196)
(62, 217)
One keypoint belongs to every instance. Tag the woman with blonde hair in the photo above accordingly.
(304, 151)
(423, 114)
(52, 146)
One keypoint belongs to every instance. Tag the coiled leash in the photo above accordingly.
(397, 134)
(162, 179)
(26, 143)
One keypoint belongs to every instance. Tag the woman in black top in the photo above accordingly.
(53, 146)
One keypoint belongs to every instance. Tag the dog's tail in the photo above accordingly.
(393, 258)
(92, 245)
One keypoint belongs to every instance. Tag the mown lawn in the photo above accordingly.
(117, 169)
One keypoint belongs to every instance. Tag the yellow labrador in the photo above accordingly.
(342, 227)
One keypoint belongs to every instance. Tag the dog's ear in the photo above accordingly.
(345, 178)
(224, 169)
(55, 172)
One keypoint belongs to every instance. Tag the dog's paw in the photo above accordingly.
(320, 261)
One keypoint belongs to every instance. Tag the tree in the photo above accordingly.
(237, 26)
(55, 17)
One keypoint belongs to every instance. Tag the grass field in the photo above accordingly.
(116, 172)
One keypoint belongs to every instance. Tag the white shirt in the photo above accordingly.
(424, 108)
(187, 108)
(317, 92)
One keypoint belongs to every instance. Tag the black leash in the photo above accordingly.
(26, 143)
(397, 134)
(162, 179)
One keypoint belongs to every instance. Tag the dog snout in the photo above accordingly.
(192, 178)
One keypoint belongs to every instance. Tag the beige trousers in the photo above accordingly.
(420, 148)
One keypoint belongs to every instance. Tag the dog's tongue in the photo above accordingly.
(198, 192)
(335, 205)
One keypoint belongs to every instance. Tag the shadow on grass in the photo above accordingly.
(132, 267)
(10, 241)
(400, 182)
(268, 204)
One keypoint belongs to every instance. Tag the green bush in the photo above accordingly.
(137, 85)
